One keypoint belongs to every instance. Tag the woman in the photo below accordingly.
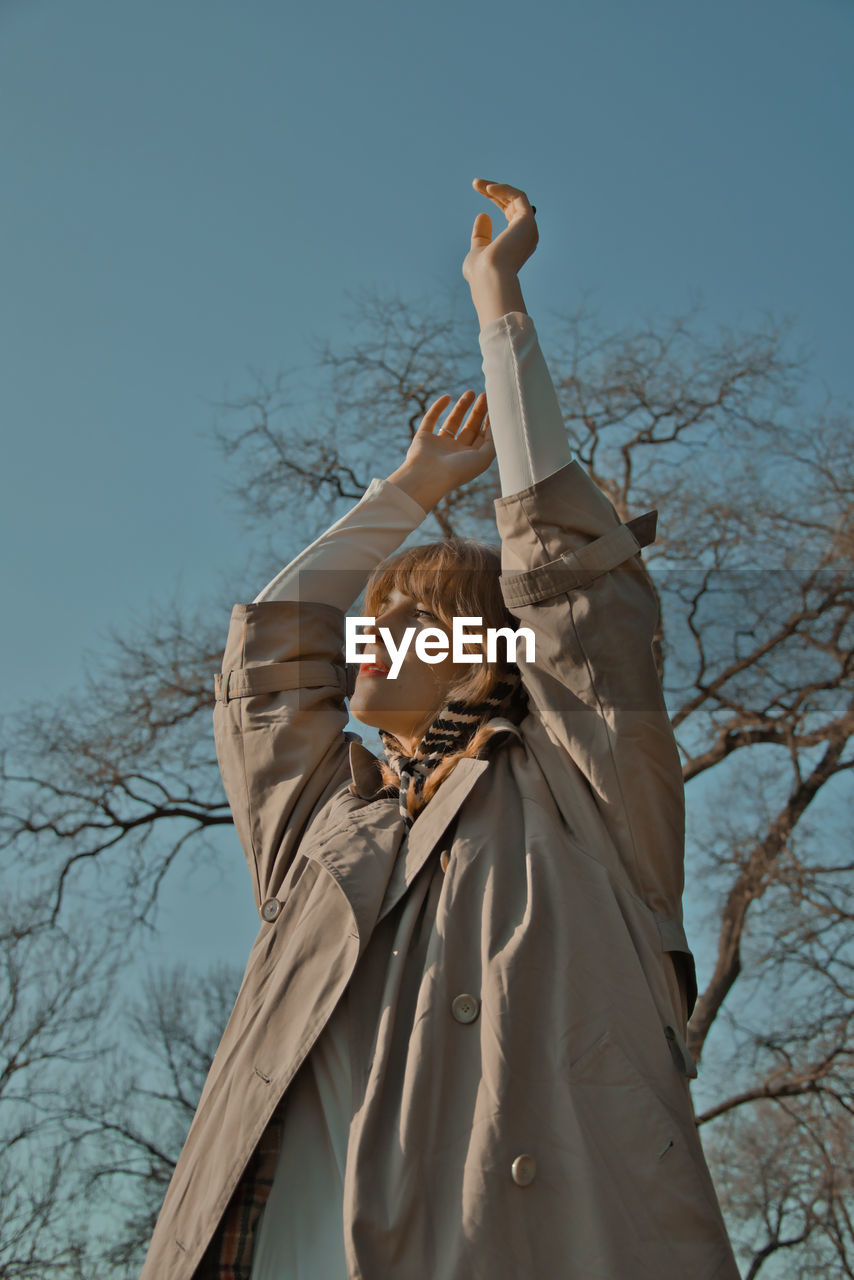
(458, 1049)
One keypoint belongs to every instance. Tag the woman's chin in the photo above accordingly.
(370, 716)
(360, 712)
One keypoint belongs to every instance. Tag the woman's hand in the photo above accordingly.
(513, 247)
(439, 461)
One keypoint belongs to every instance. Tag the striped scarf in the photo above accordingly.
(450, 731)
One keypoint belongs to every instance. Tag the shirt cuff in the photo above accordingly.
(512, 322)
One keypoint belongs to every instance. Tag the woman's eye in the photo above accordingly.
(426, 612)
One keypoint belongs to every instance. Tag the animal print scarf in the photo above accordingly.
(450, 731)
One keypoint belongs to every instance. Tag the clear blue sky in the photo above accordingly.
(191, 188)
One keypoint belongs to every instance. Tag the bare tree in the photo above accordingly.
(95, 783)
(784, 1175)
(52, 1000)
(752, 474)
(128, 1120)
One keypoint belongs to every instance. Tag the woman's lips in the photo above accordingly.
(372, 669)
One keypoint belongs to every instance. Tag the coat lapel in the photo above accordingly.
(428, 828)
(433, 821)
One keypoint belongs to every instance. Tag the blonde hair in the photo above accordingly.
(457, 577)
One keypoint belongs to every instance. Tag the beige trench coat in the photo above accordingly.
(537, 1122)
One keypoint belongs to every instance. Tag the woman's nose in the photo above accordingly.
(394, 620)
(389, 620)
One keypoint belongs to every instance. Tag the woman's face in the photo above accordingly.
(402, 704)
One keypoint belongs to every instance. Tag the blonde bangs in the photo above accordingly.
(457, 577)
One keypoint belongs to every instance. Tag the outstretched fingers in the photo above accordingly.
(482, 231)
(473, 431)
(433, 414)
(450, 425)
(505, 196)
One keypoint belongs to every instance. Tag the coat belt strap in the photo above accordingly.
(579, 568)
(275, 677)
(680, 1053)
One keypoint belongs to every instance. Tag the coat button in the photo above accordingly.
(465, 1008)
(444, 859)
(524, 1170)
(271, 909)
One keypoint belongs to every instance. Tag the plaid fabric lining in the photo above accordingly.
(229, 1254)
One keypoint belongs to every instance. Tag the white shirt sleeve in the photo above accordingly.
(335, 567)
(527, 424)
(530, 444)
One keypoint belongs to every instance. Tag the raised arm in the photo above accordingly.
(571, 572)
(527, 424)
(335, 567)
(280, 715)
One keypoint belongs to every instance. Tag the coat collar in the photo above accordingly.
(365, 766)
(431, 822)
